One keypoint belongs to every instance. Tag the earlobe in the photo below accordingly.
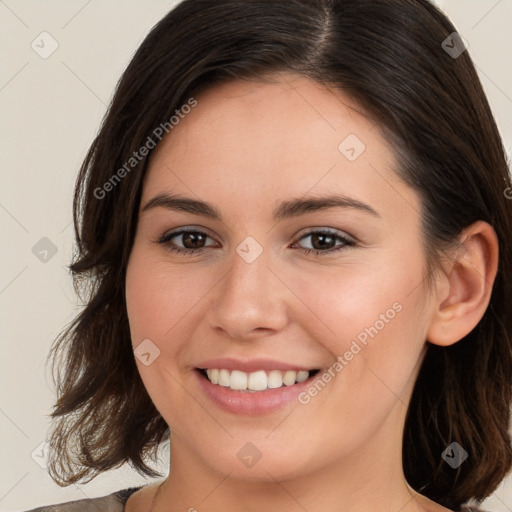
(464, 294)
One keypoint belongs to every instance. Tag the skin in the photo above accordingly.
(245, 148)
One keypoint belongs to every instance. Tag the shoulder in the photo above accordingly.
(111, 503)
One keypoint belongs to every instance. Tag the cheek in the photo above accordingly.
(159, 296)
(372, 322)
(162, 305)
(372, 315)
(155, 305)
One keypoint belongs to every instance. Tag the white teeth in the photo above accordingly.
(214, 375)
(224, 378)
(275, 379)
(238, 380)
(302, 375)
(255, 381)
(289, 378)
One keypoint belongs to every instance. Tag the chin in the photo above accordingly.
(261, 461)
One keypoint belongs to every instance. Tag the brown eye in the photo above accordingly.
(325, 242)
(321, 241)
(192, 240)
(185, 241)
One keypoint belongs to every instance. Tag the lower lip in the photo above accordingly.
(251, 404)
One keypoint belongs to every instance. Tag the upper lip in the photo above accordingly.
(251, 365)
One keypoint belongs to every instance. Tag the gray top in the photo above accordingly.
(112, 503)
(115, 502)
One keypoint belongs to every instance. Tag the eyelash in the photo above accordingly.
(164, 240)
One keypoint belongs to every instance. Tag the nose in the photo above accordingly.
(250, 301)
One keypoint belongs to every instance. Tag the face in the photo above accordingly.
(275, 238)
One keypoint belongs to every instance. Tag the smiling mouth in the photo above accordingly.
(257, 381)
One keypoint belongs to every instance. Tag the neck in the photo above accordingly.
(355, 482)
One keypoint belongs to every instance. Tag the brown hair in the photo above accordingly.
(388, 56)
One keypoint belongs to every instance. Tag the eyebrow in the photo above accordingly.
(287, 209)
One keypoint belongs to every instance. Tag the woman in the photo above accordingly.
(294, 233)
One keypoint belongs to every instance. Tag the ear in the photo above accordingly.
(464, 287)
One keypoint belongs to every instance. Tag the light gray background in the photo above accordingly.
(51, 109)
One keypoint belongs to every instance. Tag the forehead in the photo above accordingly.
(272, 139)
(247, 116)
